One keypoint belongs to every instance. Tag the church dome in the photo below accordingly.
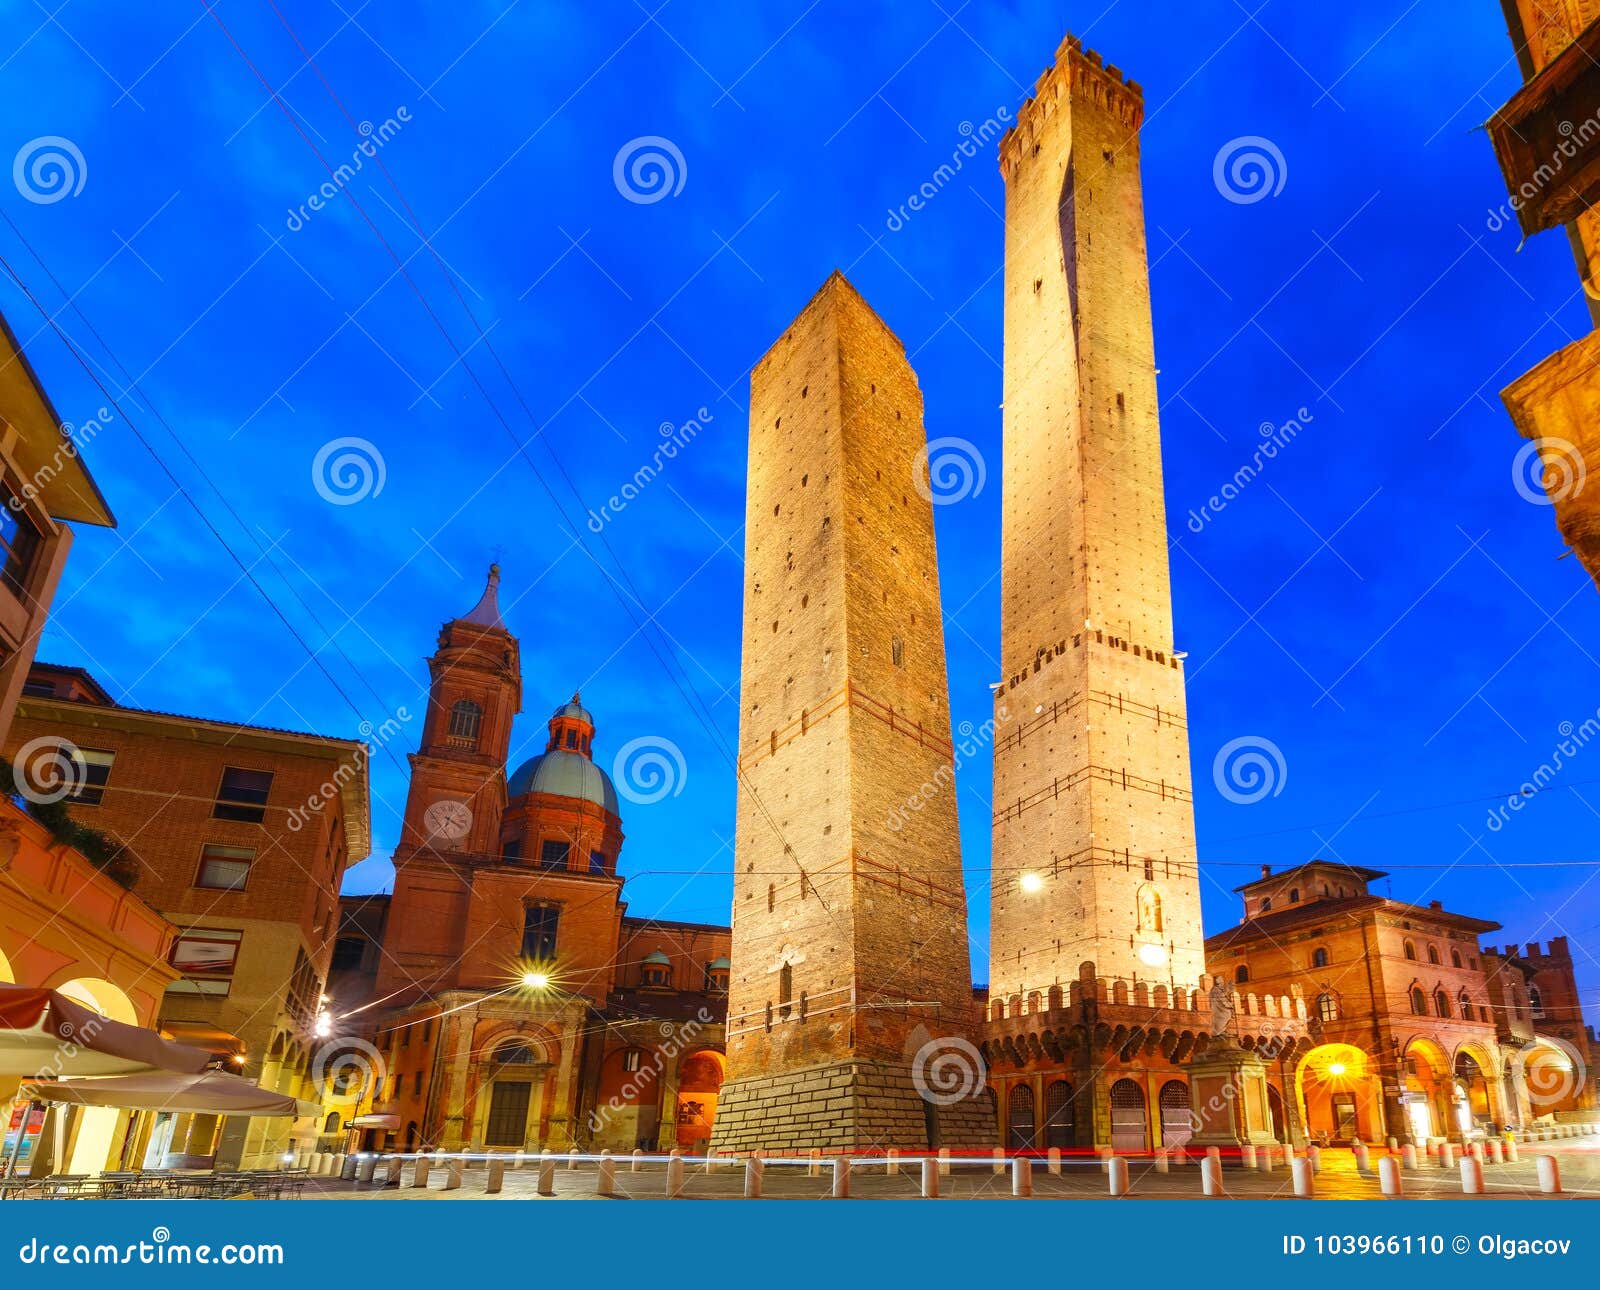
(564, 774)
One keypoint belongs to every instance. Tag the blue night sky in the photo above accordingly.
(1381, 603)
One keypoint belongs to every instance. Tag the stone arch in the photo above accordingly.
(1340, 1094)
(1020, 1123)
(1060, 1109)
(1130, 1116)
(104, 997)
(700, 1076)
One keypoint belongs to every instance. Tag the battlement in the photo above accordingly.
(1144, 995)
(1077, 73)
(1557, 949)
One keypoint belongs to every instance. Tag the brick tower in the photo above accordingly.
(1093, 812)
(851, 993)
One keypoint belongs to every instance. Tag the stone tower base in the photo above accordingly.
(848, 1106)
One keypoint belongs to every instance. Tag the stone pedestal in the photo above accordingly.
(1228, 1097)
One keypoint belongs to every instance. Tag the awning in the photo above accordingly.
(213, 1093)
(45, 1033)
(375, 1122)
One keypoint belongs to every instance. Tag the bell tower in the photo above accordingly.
(1094, 849)
(458, 781)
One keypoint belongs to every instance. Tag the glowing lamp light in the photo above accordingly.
(1031, 882)
(323, 1026)
(1336, 1068)
(1152, 955)
(536, 980)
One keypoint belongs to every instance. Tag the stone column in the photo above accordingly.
(455, 1130)
(562, 1128)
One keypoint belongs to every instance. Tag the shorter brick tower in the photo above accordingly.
(850, 1003)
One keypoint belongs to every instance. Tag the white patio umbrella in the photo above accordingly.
(47, 1034)
(211, 1093)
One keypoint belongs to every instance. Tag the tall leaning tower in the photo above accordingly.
(851, 992)
(1093, 811)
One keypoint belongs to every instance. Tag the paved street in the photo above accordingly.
(1079, 1179)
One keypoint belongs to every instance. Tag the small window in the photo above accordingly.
(466, 717)
(1433, 954)
(631, 1059)
(597, 862)
(224, 868)
(657, 974)
(1294, 895)
(19, 544)
(1241, 974)
(1466, 1006)
(94, 766)
(772, 897)
(1411, 950)
(416, 1084)
(572, 739)
(897, 652)
(514, 1054)
(1266, 904)
(785, 990)
(1536, 1001)
(1419, 1001)
(1327, 1007)
(242, 795)
(1455, 958)
(716, 979)
(553, 854)
(539, 926)
(1441, 1003)
(1320, 957)
(511, 850)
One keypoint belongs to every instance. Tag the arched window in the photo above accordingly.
(514, 1054)
(331, 1124)
(1241, 974)
(1466, 1005)
(1266, 904)
(1419, 1001)
(1433, 953)
(1536, 1001)
(1019, 1117)
(1327, 1007)
(785, 990)
(1441, 1003)
(1411, 950)
(1294, 895)
(465, 718)
(1320, 958)
(1150, 909)
(1060, 1122)
(1455, 958)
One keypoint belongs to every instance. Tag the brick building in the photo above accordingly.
(503, 995)
(1534, 994)
(242, 835)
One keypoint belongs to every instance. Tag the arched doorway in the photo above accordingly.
(1341, 1097)
(699, 1086)
(1060, 1124)
(1019, 1117)
(510, 1074)
(94, 1128)
(1423, 1089)
(1177, 1120)
(1130, 1121)
(1471, 1107)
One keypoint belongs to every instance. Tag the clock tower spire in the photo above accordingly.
(458, 781)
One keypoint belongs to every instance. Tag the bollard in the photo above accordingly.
(1163, 1162)
(1389, 1177)
(841, 1177)
(1394, 1144)
(1022, 1176)
(752, 1178)
(944, 1162)
(711, 1162)
(638, 1162)
(1247, 1156)
(344, 1166)
(1471, 1176)
(1549, 1175)
(999, 1160)
(1303, 1183)
(1363, 1158)
(1447, 1155)
(366, 1167)
(814, 1169)
(452, 1177)
(1408, 1156)
(1266, 1158)
(1512, 1154)
(930, 1178)
(496, 1179)
(1052, 1160)
(547, 1174)
(1117, 1176)
(419, 1175)
(1211, 1174)
(516, 1159)
(605, 1182)
(674, 1176)
(891, 1161)
(391, 1177)
(572, 1158)
(1314, 1155)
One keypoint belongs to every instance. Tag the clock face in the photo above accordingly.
(449, 820)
